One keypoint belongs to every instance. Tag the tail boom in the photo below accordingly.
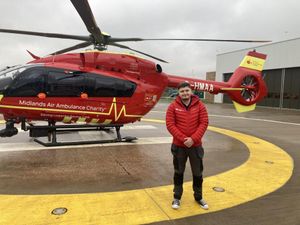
(245, 87)
(212, 87)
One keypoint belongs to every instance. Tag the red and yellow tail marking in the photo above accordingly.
(254, 61)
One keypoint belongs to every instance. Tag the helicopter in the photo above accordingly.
(100, 90)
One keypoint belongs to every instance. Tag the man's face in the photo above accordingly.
(185, 93)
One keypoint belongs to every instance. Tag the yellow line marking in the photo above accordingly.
(251, 180)
(153, 120)
(232, 89)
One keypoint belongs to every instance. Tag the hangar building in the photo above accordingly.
(281, 71)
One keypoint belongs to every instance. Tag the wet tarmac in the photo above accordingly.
(35, 170)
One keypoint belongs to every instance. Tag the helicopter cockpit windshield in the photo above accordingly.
(8, 74)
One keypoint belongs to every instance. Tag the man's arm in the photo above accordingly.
(171, 126)
(203, 123)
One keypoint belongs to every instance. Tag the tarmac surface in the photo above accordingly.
(262, 196)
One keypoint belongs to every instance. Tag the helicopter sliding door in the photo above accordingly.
(111, 94)
(64, 83)
(81, 96)
(63, 95)
(105, 86)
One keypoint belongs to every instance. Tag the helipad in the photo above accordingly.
(250, 159)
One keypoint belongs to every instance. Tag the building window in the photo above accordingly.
(291, 95)
(273, 82)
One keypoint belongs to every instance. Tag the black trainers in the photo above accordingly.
(176, 203)
(202, 203)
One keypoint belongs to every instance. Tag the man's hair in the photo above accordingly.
(184, 84)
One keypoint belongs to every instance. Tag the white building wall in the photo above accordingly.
(284, 54)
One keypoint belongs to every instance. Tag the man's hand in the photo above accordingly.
(188, 142)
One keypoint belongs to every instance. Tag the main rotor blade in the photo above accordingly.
(86, 14)
(143, 53)
(185, 39)
(51, 35)
(81, 45)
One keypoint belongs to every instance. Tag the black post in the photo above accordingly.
(119, 138)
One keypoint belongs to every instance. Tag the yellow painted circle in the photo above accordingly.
(253, 179)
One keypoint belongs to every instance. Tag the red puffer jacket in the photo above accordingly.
(191, 122)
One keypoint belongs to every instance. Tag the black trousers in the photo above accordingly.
(180, 156)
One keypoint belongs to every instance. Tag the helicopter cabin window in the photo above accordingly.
(28, 83)
(65, 84)
(104, 86)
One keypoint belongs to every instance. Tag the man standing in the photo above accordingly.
(187, 121)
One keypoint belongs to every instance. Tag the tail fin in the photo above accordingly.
(254, 60)
(246, 84)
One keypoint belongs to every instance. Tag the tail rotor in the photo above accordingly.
(247, 80)
(250, 88)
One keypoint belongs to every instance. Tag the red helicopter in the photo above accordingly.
(104, 89)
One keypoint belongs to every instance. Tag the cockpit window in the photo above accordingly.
(8, 74)
(27, 82)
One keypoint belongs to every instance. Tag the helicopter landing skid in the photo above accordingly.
(52, 130)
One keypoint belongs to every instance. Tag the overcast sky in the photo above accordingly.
(227, 19)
